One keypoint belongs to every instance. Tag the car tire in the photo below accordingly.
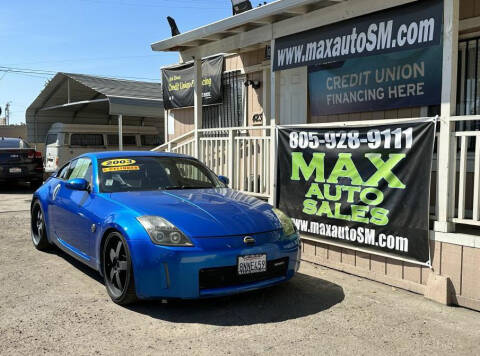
(38, 229)
(117, 269)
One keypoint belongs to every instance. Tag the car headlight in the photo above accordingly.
(285, 221)
(163, 232)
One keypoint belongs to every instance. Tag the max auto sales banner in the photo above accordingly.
(366, 186)
(178, 84)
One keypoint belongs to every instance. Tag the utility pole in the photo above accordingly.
(7, 113)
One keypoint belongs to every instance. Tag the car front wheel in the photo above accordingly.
(117, 270)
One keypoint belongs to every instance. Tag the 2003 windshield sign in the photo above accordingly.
(368, 186)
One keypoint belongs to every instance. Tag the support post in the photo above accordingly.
(231, 155)
(197, 105)
(266, 87)
(166, 115)
(120, 132)
(274, 106)
(68, 90)
(447, 142)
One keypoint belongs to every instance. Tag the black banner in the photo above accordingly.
(178, 83)
(367, 186)
(417, 25)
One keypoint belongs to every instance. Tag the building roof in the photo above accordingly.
(70, 91)
(266, 14)
(257, 27)
(112, 87)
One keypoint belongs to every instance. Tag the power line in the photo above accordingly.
(47, 73)
(80, 59)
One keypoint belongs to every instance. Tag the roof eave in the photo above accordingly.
(256, 15)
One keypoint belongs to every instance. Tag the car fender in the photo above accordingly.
(42, 195)
(125, 223)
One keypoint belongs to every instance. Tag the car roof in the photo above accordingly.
(11, 139)
(115, 154)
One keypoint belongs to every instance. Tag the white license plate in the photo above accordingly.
(249, 264)
(15, 170)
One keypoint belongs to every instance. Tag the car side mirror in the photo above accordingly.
(224, 180)
(77, 184)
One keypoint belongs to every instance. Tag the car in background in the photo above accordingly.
(163, 225)
(66, 141)
(19, 162)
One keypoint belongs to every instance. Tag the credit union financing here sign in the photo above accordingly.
(364, 186)
(382, 82)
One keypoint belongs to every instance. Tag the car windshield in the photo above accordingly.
(125, 174)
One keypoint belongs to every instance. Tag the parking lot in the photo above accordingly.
(53, 304)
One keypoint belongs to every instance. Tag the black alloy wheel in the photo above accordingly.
(117, 270)
(37, 229)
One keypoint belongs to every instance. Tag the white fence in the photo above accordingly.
(242, 154)
(466, 164)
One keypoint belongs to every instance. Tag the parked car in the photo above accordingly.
(20, 162)
(162, 225)
(66, 141)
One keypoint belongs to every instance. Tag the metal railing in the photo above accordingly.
(243, 154)
(466, 165)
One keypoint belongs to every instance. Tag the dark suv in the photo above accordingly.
(20, 162)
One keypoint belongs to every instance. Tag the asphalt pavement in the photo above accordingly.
(52, 304)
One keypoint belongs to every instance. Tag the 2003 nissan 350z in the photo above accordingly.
(159, 225)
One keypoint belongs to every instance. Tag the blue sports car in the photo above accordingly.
(161, 225)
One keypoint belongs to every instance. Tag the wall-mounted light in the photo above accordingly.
(254, 83)
(239, 6)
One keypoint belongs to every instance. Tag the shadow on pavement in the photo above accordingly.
(16, 188)
(93, 274)
(303, 295)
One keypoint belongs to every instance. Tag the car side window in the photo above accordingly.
(63, 171)
(82, 168)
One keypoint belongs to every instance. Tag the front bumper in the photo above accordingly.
(173, 272)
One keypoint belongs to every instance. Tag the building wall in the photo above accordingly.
(469, 8)
(402, 113)
(460, 263)
(13, 131)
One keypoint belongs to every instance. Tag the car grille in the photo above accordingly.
(220, 277)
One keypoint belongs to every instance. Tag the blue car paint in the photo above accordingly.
(216, 221)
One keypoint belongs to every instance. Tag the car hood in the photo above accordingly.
(204, 212)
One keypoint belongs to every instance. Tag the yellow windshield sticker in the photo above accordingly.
(118, 162)
(121, 168)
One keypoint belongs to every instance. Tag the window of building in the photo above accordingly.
(468, 80)
(230, 113)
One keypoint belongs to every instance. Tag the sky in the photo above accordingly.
(102, 37)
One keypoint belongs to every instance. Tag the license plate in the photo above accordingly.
(15, 170)
(249, 264)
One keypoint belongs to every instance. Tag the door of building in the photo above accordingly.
(293, 96)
